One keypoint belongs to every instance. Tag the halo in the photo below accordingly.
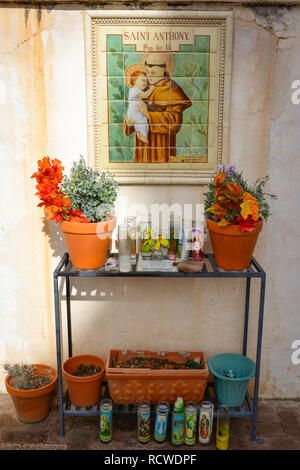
(165, 58)
(129, 71)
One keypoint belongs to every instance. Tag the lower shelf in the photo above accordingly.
(69, 409)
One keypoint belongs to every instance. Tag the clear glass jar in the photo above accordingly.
(175, 237)
(206, 417)
(143, 421)
(190, 423)
(147, 244)
(124, 249)
(222, 437)
(131, 222)
(106, 420)
(161, 421)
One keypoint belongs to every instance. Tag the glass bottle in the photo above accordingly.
(198, 238)
(190, 423)
(143, 421)
(178, 422)
(124, 249)
(222, 437)
(161, 421)
(175, 238)
(206, 417)
(147, 243)
(106, 420)
(131, 222)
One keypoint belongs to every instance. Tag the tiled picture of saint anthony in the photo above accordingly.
(156, 107)
(158, 110)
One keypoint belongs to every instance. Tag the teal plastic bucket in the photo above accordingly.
(231, 391)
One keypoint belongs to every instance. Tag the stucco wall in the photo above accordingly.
(43, 111)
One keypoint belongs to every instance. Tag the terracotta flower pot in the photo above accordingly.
(130, 386)
(33, 405)
(88, 243)
(83, 391)
(232, 248)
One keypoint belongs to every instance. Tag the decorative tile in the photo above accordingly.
(116, 135)
(116, 112)
(114, 43)
(183, 137)
(115, 64)
(201, 44)
(199, 136)
(116, 88)
(116, 154)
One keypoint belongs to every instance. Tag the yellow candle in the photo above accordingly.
(222, 439)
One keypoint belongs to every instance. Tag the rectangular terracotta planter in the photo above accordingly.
(130, 386)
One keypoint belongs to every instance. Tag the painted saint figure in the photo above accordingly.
(163, 110)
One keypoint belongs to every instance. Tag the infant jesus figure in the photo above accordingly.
(139, 91)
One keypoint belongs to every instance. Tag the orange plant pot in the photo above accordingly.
(130, 386)
(83, 391)
(232, 248)
(33, 406)
(88, 243)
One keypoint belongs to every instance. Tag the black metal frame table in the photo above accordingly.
(211, 270)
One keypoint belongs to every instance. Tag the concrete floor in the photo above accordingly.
(278, 424)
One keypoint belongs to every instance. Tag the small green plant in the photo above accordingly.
(91, 192)
(24, 377)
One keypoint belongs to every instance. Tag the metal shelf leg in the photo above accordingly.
(258, 357)
(58, 355)
(69, 316)
(247, 302)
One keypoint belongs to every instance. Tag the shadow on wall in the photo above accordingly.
(54, 237)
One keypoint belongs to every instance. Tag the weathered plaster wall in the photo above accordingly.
(43, 110)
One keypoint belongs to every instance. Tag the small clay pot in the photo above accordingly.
(33, 406)
(232, 248)
(84, 391)
(88, 243)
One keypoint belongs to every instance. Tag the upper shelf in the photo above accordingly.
(66, 269)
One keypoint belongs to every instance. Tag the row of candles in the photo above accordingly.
(183, 420)
(183, 240)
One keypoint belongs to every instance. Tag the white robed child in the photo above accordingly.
(139, 91)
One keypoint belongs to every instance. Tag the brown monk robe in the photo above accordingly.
(165, 112)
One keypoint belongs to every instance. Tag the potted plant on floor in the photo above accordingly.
(83, 204)
(235, 214)
(31, 388)
(84, 375)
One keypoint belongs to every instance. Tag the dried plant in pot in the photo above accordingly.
(235, 213)
(83, 204)
(31, 388)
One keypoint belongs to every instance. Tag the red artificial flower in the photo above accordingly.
(246, 225)
(57, 205)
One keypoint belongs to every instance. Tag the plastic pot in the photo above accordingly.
(129, 386)
(83, 391)
(231, 391)
(88, 243)
(33, 406)
(232, 248)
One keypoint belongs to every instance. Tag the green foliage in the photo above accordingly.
(91, 192)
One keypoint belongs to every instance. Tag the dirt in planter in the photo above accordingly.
(157, 364)
(84, 370)
(24, 377)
